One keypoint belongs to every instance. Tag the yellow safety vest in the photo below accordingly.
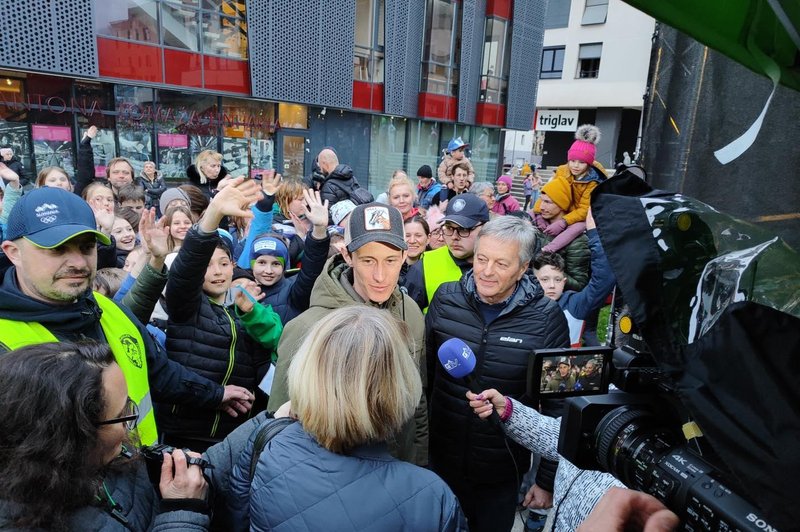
(438, 267)
(126, 343)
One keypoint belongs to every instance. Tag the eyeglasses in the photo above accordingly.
(436, 233)
(130, 418)
(463, 232)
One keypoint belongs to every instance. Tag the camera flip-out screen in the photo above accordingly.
(554, 373)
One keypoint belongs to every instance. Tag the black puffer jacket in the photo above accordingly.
(211, 340)
(463, 448)
(338, 185)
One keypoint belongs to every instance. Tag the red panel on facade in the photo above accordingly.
(499, 8)
(227, 75)
(377, 97)
(118, 59)
(490, 114)
(183, 68)
(437, 106)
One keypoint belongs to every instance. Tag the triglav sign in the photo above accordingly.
(556, 120)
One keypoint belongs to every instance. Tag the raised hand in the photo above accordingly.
(233, 200)
(9, 175)
(91, 132)
(244, 303)
(270, 182)
(154, 234)
(316, 212)
(104, 219)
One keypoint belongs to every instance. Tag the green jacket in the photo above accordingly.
(333, 290)
(144, 294)
(576, 261)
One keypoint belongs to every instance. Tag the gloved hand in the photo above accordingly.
(555, 228)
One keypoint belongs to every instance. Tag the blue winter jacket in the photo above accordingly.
(578, 305)
(299, 485)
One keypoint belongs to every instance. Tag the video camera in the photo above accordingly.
(154, 458)
(703, 335)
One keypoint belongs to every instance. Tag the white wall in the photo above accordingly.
(626, 38)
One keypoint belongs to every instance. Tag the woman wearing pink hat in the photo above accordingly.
(504, 202)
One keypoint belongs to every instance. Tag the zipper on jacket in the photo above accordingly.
(231, 360)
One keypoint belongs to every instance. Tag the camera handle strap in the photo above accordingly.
(266, 432)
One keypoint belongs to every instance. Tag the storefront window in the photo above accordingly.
(442, 45)
(496, 61)
(13, 126)
(133, 20)
(386, 151)
(248, 146)
(484, 152)
(95, 99)
(423, 146)
(293, 115)
(186, 124)
(369, 41)
(135, 124)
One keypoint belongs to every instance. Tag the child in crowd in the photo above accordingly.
(582, 173)
(131, 196)
(230, 345)
(504, 201)
(124, 238)
(54, 176)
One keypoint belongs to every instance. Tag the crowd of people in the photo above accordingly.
(287, 332)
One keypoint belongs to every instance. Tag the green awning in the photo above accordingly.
(760, 34)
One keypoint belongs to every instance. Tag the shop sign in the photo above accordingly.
(556, 120)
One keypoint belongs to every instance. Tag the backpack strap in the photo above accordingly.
(266, 432)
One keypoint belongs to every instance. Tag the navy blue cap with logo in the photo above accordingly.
(48, 217)
(466, 210)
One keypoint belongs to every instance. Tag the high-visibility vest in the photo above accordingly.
(438, 267)
(126, 344)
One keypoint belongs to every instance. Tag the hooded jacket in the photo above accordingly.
(505, 204)
(333, 290)
(581, 190)
(465, 449)
(169, 381)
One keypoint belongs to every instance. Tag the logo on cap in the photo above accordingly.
(377, 218)
(47, 213)
(265, 244)
(458, 205)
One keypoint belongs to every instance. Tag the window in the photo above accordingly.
(589, 60)
(442, 44)
(557, 14)
(552, 62)
(212, 27)
(595, 12)
(496, 61)
(369, 41)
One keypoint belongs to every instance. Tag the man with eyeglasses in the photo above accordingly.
(500, 311)
(46, 296)
(463, 218)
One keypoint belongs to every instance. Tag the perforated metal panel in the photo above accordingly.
(404, 20)
(302, 51)
(54, 36)
(527, 34)
(473, 24)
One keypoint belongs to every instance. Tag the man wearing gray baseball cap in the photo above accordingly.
(366, 273)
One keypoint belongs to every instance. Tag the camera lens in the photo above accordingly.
(628, 440)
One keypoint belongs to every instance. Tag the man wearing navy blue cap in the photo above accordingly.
(463, 219)
(46, 296)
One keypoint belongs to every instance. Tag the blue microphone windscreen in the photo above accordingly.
(457, 358)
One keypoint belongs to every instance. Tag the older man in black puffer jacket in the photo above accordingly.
(501, 312)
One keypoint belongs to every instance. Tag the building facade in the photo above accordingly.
(594, 66)
(268, 83)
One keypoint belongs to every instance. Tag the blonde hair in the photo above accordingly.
(401, 180)
(354, 379)
(202, 158)
(290, 190)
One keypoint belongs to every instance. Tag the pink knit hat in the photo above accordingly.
(584, 148)
(505, 179)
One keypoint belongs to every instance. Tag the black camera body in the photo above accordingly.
(154, 458)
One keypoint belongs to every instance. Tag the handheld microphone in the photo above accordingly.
(458, 361)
